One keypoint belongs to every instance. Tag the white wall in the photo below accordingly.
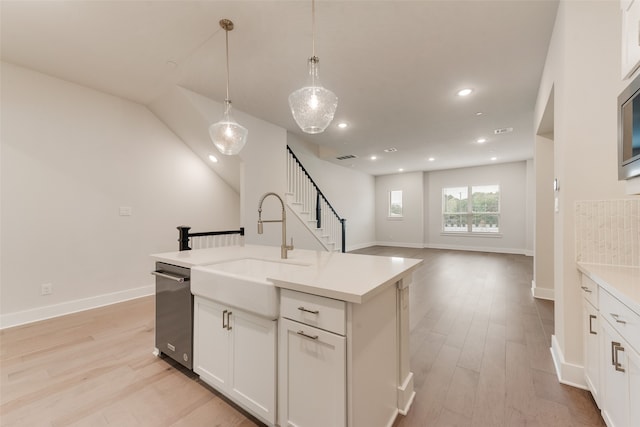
(583, 68)
(530, 207)
(514, 229)
(350, 192)
(543, 285)
(262, 169)
(71, 156)
(407, 231)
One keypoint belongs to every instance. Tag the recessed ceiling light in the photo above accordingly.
(431, 159)
(481, 140)
(342, 125)
(213, 158)
(373, 157)
(494, 158)
(400, 170)
(479, 113)
(390, 150)
(464, 92)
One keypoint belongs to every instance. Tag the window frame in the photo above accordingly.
(469, 214)
(390, 214)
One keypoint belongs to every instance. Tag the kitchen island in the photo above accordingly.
(336, 353)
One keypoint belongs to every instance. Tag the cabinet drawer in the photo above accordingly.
(589, 290)
(621, 317)
(321, 312)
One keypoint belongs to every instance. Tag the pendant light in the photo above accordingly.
(227, 135)
(313, 106)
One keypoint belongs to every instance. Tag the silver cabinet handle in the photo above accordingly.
(226, 314)
(584, 288)
(591, 331)
(619, 367)
(306, 310)
(615, 348)
(616, 318)
(175, 278)
(311, 337)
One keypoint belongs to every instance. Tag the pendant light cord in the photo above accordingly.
(313, 28)
(226, 32)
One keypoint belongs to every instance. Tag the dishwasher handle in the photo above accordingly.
(174, 277)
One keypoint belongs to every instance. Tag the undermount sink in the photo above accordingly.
(242, 283)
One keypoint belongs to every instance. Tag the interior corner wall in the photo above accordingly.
(544, 194)
(428, 217)
(512, 178)
(350, 192)
(71, 157)
(530, 207)
(583, 67)
(407, 231)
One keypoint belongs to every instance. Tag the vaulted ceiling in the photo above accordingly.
(395, 66)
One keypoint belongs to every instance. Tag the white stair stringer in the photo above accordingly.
(309, 224)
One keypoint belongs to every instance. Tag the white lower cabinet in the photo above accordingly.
(634, 386)
(611, 332)
(615, 378)
(313, 377)
(591, 342)
(235, 352)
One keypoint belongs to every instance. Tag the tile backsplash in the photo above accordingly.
(608, 232)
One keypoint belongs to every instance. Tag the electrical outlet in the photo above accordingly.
(46, 289)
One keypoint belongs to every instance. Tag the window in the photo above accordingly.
(395, 204)
(471, 209)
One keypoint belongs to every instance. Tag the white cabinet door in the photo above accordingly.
(615, 377)
(253, 363)
(235, 352)
(312, 376)
(211, 343)
(591, 342)
(634, 385)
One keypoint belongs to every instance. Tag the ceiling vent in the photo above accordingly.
(502, 130)
(346, 157)
(391, 150)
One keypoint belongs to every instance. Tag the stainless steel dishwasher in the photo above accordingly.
(174, 313)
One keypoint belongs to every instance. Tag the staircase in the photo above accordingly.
(307, 202)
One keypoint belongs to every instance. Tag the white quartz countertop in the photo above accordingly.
(620, 281)
(348, 277)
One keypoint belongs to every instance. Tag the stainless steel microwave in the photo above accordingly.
(629, 131)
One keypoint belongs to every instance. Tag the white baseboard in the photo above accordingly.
(477, 249)
(406, 394)
(47, 312)
(401, 244)
(542, 293)
(567, 373)
(360, 246)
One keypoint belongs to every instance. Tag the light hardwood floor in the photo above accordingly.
(479, 352)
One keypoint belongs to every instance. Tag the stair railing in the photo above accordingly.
(314, 203)
(208, 239)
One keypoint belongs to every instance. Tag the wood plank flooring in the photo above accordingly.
(479, 353)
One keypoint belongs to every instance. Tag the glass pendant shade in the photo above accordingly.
(227, 135)
(313, 106)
